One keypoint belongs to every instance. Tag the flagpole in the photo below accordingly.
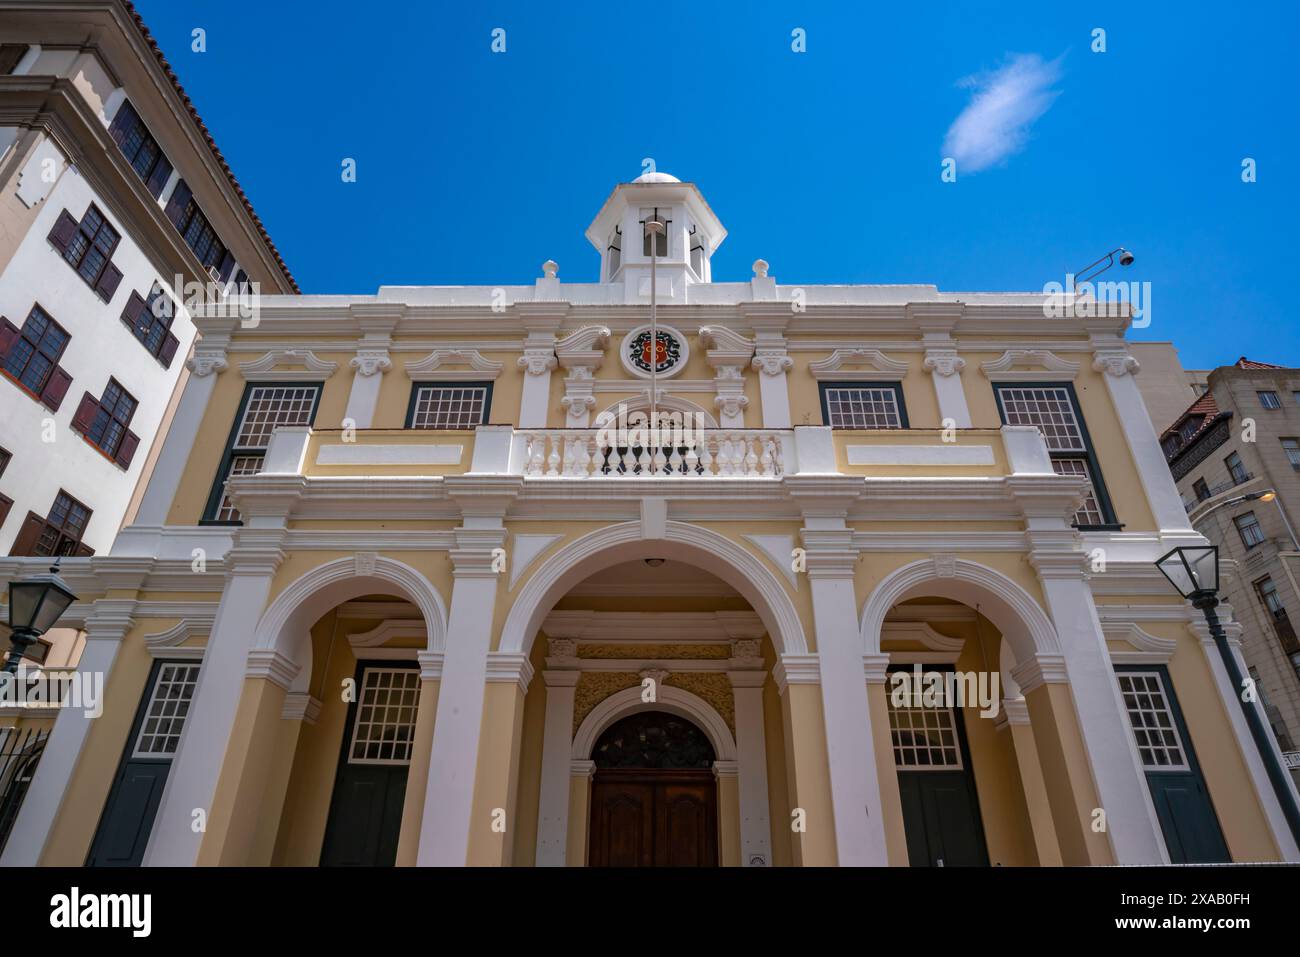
(654, 227)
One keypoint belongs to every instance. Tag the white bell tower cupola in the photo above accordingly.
(683, 251)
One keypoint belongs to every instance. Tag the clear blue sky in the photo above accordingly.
(475, 167)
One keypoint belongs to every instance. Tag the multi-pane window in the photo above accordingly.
(1152, 720)
(149, 320)
(140, 149)
(1292, 449)
(1201, 490)
(1249, 530)
(384, 729)
(1236, 468)
(1268, 399)
(1053, 411)
(1267, 592)
(1089, 512)
(265, 408)
(92, 246)
(36, 350)
(64, 527)
(449, 406)
(197, 232)
(168, 707)
(923, 737)
(866, 406)
(109, 425)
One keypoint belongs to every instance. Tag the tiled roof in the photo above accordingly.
(1244, 363)
(212, 145)
(1204, 405)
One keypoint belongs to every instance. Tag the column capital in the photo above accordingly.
(509, 666)
(1013, 711)
(561, 677)
(474, 555)
(796, 670)
(272, 665)
(746, 678)
(943, 361)
(430, 665)
(110, 619)
(876, 668)
(582, 768)
(829, 553)
(1116, 362)
(726, 769)
(371, 361)
(1039, 670)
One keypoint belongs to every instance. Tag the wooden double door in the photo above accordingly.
(654, 818)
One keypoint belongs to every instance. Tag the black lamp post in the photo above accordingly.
(1194, 571)
(35, 604)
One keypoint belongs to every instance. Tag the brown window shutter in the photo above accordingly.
(83, 550)
(8, 333)
(56, 387)
(28, 535)
(6, 503)
(86, 412)
(162, 172)
(126, 450)
(135, 305)
(168, 350)
(179, 200)
(65, 227)
(125, 119)
(108, 282)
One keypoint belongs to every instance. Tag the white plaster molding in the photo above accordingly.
(169, 644)
(586, 347)
(1029, 364)
(655, 627)
(271, 367)
(537, 361)
(300, 706)
(877, 365)
(772, 361)
(921, 632)
(943, 362)
(1038, 670)
(205, 362)
(527, 549)
(1116, 362)
(368, 362)
(275, 667)
(725, 346)
(683, 359)
(507, 667)
(800, 669)
(387, 631)
(1147, 648)
(431, 367)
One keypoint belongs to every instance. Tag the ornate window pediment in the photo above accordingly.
(1029, 364)
(288, 365)
(845, 365)
(433, 366)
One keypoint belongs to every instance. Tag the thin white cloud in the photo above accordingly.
(1004, 105)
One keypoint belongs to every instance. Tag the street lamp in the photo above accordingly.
(35, 604)
(1125, 259)
(1194, 572)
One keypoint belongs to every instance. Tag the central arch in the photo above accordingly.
(682, 542)
(668, 698)
(1023, 623)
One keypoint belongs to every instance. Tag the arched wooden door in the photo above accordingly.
(654, 800)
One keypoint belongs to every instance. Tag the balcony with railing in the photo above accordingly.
(762, 455)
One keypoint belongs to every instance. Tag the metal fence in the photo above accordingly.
(20, 752)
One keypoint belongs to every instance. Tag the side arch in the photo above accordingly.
(1023, 623)
(692, 544)
(285, 627)
(668, 698)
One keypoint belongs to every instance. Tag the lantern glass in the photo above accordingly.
(1192, 570)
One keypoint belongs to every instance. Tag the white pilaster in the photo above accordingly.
(1132, 825)
(1112, 359)
(855, 786)
(751, 752)
(196, 767)
(453, 760)
(370, 363)
(208, 360)
(105, 630)
(557, 747)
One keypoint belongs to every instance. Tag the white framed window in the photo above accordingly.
(924, 739)
(169, 706)
(863, 406)
(384, 728)
(458, 406)
(1152, 720)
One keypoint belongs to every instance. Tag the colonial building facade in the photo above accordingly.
(413, 584)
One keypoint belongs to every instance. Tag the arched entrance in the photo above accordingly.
(654, 799)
